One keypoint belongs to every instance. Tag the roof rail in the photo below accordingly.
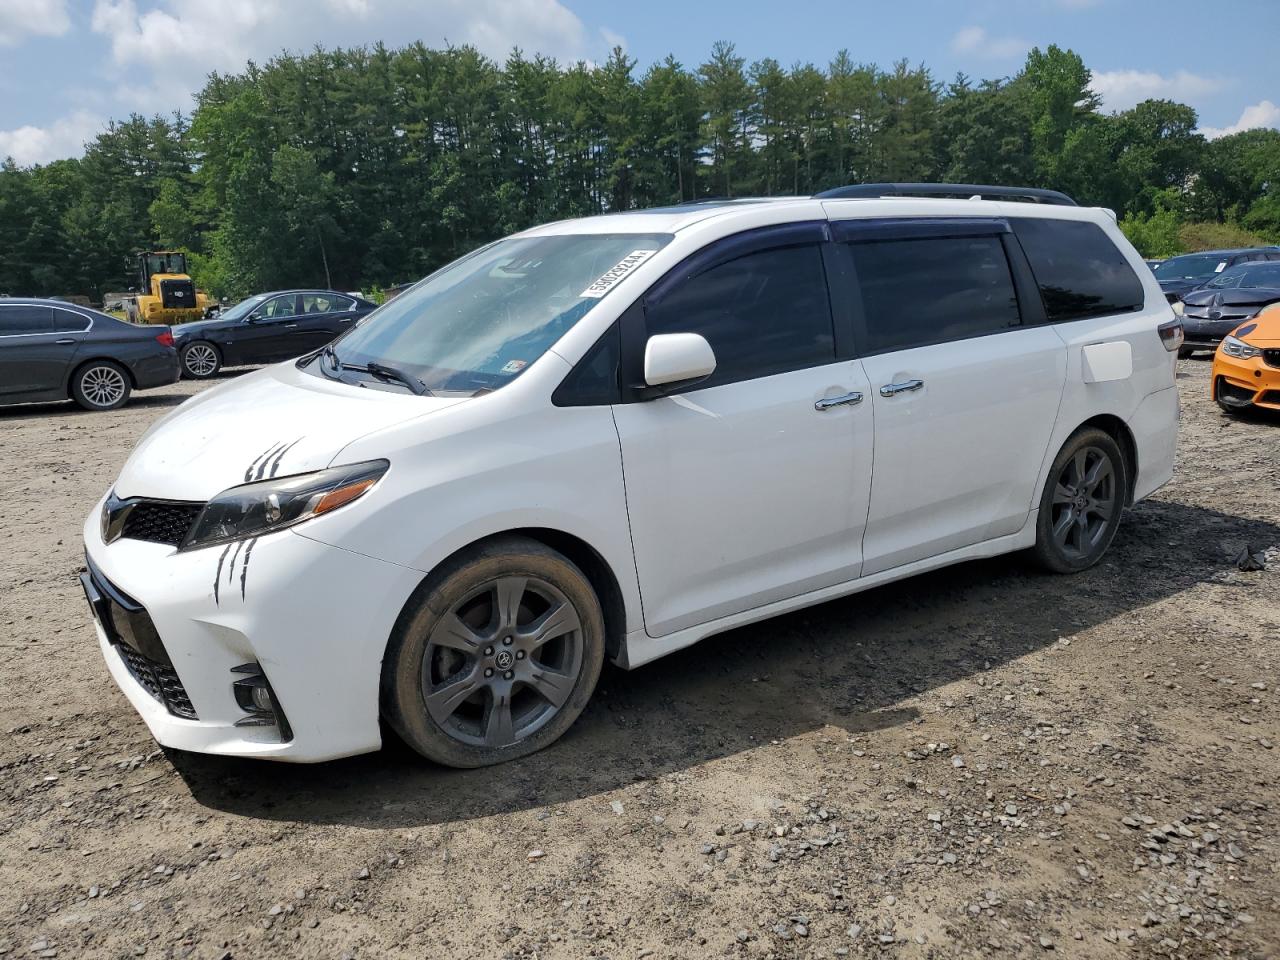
(868, 191)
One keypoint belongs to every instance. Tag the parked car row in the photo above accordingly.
(54, 350)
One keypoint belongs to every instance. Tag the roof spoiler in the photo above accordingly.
(971, 191)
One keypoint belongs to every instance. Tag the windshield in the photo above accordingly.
(1194, 267)
(1247, 276)
(242, 309)
(478, 323)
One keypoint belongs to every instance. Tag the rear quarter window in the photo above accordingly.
(1079, 271)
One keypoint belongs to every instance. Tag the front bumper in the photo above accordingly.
(316, 618)
(1207, 334)
(1244, 383)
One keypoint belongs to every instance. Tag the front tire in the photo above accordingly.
(495, 655)
(200, 360)
(1082, 501)
(101, 385)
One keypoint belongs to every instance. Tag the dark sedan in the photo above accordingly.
(50, 350)
(1214, 309)
(1178, 276)
(266, 328)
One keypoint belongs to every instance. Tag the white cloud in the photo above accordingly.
(1122, 89)
(62, 138)
(32, 18)
(161, 51)
(1262, 114)
(976, 40)
(181, 41)
(1078, 4)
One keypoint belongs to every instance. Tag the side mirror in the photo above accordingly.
(677, 359)
(253, 318)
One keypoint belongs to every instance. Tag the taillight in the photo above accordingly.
(165, 337)
(1171, 334)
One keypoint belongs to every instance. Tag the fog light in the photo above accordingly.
(255, 697)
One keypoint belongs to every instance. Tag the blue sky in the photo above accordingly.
(68, 66)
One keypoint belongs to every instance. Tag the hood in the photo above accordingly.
(1177, 287)
(273, 422)
(1264, 329)
(1233, 297)
(181, 330)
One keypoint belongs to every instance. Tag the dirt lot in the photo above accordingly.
(985, 760)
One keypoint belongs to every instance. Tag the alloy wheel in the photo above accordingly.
(103, 386)
(1085, 499)
(200, 359)
(502, 662)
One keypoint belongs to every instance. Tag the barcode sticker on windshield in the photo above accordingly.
(1220, 267)
(615, 273)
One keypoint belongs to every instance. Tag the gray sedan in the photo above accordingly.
(50, 350)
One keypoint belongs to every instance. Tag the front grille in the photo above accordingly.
(177, 294)
(160, 522)
(160, 680)
(1271, 357)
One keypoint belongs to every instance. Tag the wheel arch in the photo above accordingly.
(1119, 431)
(601, 576)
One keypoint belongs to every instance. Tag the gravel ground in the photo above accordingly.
(980, 761)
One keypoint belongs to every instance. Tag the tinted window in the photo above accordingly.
(762, 313)
(64, 321)
(16, 319)
(278, 307)
(1080, 272)
(595, 379)
(916, 292)
(324, 303)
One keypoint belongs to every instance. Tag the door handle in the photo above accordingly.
(906, 386)
(290, 326)
(826, 403)
(64, 342)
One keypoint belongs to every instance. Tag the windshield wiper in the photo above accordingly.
(385, 372)
(381, 371)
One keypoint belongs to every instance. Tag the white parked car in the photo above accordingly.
(615, 436)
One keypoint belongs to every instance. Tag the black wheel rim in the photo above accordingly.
(502, 662)
(1084, 502)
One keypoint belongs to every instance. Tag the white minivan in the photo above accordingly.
(612, 437)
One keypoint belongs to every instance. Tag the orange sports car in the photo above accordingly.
(1246, 368)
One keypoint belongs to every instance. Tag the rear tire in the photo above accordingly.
(101, 385)
(1084, 496)
(495, 655)
(201, 360)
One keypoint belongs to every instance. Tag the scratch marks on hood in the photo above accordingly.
(275, 463)
(269, 458)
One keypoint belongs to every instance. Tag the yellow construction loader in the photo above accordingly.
(167, 293)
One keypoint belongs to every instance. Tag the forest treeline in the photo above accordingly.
(365, 167)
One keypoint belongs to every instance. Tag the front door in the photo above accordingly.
(750, 487)
(34, 356)
(268, 333)
(964, 396)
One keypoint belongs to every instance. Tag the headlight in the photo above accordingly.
(253, 509)
(1239, 349)
(1178, 308)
